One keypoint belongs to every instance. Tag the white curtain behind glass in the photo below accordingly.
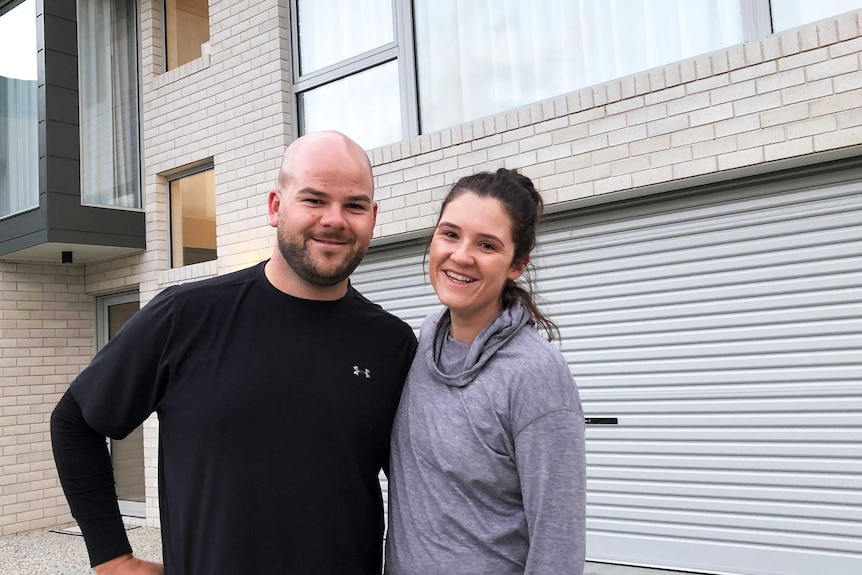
(787, 14)
(19, 146)
(107, 81)
(19, 122)
(333, 30)
(480, 57)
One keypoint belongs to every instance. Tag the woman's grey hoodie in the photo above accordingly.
(487, 463)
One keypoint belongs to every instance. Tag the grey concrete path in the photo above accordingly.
(49, 553)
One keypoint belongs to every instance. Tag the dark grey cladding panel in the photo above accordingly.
(62, 140)
(60, 104)
(62, 8)
(61, 34)
(61, 69)
(64, 177)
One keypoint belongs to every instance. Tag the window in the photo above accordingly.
(187, 27)
(476, 58)
(108, 94)
(386, 70)
(787, 14)
(19, 120)
(193, 218)
(350, 69)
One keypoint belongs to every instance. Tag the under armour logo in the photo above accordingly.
(357, 372)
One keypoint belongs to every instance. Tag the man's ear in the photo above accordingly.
(273, 201)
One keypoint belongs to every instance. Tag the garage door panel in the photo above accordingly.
(734, 521)
(688, 553)
(695, 282)
(755, 447)
(659, 221)
(822, 502)
(749, 396)
(743, 377)
(721, 528)
(842, 320)
(813, 479)
(840, 466)
(719, 253)
(737, 362)
(762, 347)
(708, 302)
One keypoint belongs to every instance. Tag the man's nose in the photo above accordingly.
(333, 216)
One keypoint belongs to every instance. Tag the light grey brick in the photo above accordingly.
(694, 168)
(832, 67)
(838, 139)
(808, 91)
(837, 103)
(732, 92)
(740, 158)
(714, 147)
(667, 125)
(692, 135)
(811, 127)
(752, 72)
(788, 149)
(758, 103)
(780, 80)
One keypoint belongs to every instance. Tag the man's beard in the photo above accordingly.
(300, 261)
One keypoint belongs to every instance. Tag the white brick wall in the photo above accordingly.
(794, 97)
(46, 338)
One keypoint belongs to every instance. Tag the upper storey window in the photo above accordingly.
(19, 119)
(108, 94)
(187, 28)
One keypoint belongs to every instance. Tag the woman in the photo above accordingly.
(487, 465)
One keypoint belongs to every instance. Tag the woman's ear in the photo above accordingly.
(518, 268)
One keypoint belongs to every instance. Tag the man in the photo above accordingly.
(275, 388)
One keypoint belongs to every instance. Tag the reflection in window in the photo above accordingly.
(187, 26)
(361, 25)
(365, 106)
(193, 218)
(787, 14)
(108, 93)
(19, 120)
(480, 57)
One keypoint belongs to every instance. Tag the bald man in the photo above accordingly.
(275, 389)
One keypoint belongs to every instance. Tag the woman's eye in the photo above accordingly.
(487, 246)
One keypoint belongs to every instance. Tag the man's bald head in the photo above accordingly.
(306, 152)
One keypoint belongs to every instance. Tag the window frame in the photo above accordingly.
(400, 49)
(179, 174)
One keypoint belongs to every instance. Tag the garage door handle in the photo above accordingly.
(600, 420)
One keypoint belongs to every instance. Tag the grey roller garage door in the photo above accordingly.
(723, 331)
